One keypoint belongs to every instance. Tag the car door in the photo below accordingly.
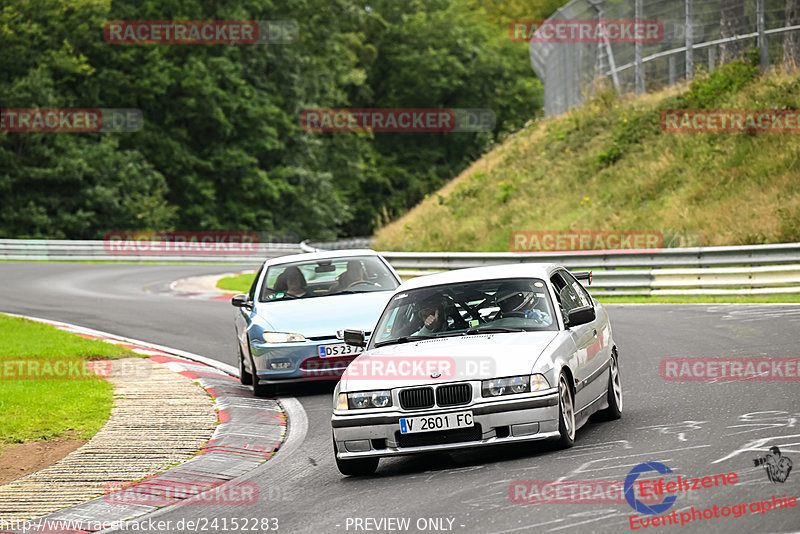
(589, 383)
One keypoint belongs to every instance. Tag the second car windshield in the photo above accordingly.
(508, 305)
(318, 278)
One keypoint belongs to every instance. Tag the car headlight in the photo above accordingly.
(281, 337)
(361, 400)
(514, 384)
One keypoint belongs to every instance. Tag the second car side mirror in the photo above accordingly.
(354, 338)
(241, 301)
(579, 316)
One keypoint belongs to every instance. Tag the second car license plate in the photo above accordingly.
(430, 423)
(340, 349)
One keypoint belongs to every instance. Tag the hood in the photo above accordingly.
(323, 316)
(459, 358)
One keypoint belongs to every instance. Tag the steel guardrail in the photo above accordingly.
(748, 269)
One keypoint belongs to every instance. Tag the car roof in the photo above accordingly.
(491, 272)
(324, 255)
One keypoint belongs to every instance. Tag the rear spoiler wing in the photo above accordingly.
(583, 275)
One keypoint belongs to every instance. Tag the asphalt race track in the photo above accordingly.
(697, 428)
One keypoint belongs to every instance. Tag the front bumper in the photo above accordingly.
(299, 362)
(496, 421)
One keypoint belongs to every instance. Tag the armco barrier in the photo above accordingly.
(741, 270)
(786, 253)
(751, 269)
(50, 249)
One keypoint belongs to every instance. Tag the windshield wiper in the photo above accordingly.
(493, 330)
(404, 339)
(351, 291)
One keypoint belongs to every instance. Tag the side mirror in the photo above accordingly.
(241, 301)
(354, 338)
(579, 316)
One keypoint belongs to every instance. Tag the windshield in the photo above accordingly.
(320, 278)
(509, 305)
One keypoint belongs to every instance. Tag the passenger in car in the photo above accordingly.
(292, 282)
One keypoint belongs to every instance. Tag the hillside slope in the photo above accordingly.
(608, 166)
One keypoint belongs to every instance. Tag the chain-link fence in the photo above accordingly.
(692, 34)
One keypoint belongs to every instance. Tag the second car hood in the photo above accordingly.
(323, 316)
(477, 357)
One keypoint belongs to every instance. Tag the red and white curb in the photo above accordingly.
(250, 432)
(202, 287)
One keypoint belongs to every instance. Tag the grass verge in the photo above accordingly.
(608, 166)
(42, 409)
(703, 299)
(239, 282)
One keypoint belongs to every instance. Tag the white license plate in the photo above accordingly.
(431, 423)
(340, 349)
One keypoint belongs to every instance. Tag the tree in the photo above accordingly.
(791, 40)
(732, 23)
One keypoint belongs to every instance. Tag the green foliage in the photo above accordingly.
(708, 90)
(222, 147)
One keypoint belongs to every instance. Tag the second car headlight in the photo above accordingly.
(282, 337)
(514, 384)
(362, 400)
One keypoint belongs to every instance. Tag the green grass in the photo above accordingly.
(239, 282)
(608, 166)
(701, 299)
(129, 262)
(34, 410)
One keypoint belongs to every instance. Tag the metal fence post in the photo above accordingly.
(712, 58)
(689, 39)
(672, 69)
(763, 53)
(637, 51)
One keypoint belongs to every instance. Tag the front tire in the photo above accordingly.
(357, 467)
(259, 390)
(244, 377)
(566, 414)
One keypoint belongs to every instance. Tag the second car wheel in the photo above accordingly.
(566, 413)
